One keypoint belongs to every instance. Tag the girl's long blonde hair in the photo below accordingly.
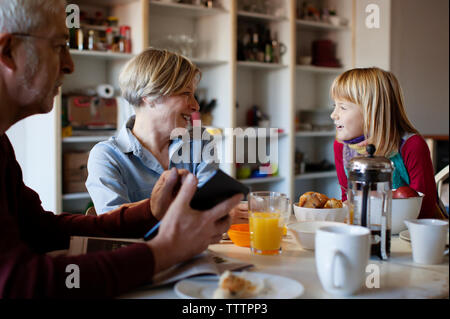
(380, 96)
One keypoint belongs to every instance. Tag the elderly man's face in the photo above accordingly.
(42, 65)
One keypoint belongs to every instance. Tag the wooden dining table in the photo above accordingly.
(399, 276)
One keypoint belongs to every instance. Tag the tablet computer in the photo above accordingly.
(219, 187)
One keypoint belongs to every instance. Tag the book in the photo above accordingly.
(206, 263)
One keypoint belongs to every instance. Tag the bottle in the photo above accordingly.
(109, 39)
(125, 39)
(80, 39)
(255, 46)
(91, 40)
(268, 53)
(276, 49)
(247, 43)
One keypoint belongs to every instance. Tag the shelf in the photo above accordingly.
(207, 62)
(315, 133)
(101, 54)
(103, 3)
(315, 175)
(261, 180)
(76, 196)
(260, 65)
(315, 25)
(259, 16)
(98, 27)
(319, 69)
(85, 139)
(184, 10)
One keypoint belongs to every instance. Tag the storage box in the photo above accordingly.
(75, 172)
(87, 112)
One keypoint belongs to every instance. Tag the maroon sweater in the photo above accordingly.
(27, 232)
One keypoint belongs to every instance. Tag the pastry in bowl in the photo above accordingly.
(312, 200)
(333, 203)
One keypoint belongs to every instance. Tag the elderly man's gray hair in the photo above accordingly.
(24, 16)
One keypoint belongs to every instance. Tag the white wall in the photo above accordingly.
(372, 45)
(420, 54)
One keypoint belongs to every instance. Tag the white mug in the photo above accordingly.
(342, 254)
(428, 239)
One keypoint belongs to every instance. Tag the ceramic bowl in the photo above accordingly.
(240, 235)
(403, 209)
(305, 232)
(303, 214)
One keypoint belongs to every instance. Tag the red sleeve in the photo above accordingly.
(339, 162)
(417, 160)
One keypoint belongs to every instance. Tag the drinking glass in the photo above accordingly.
(268, 215)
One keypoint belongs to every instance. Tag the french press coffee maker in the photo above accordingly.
(370, 196)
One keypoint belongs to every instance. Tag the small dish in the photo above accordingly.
(240, 235)
(305, 232)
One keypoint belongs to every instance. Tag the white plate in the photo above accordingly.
(275, 287)
(406, 236)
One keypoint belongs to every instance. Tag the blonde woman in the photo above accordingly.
(369, 109)
(160, 85)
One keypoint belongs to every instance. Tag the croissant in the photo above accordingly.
(333, 203)
(312, 200)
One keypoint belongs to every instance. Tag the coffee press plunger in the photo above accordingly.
(370, 194)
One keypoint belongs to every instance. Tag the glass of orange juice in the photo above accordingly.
(268, 214)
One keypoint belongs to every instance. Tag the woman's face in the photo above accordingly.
(175, 111)
(348, 119)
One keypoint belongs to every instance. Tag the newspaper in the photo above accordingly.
(206, 263)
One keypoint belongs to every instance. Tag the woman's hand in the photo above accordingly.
(165, 191)
(239, 214)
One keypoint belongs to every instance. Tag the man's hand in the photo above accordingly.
(165, 191)
(185, 232)
(239, 214)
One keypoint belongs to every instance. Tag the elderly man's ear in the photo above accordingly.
(6, 51)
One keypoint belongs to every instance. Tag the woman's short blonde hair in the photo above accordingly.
(380, 96)
(156, 73)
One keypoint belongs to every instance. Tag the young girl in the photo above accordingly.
(369, 109)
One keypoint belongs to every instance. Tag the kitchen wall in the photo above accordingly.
(419, 58)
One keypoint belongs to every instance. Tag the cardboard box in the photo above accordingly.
(75, 172)
(86, 112)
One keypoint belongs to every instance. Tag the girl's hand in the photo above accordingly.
(239, 214)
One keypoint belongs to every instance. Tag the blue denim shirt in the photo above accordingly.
(122, 171)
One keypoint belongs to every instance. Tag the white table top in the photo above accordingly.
(400, 277)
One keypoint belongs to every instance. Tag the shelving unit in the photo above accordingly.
(279, 89)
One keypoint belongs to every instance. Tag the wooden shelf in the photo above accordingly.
(262, 180)
(260, 65)
(319, 69)
(203, 63)
(259, 16)
(316, 175)
(316, 25)
(101, 54)
(184, 10)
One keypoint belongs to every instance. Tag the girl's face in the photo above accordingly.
(348, 119)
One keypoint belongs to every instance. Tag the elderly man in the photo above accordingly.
(33, 61)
